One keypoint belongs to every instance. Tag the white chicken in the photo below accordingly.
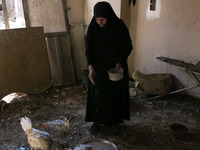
(37, 139)
(58, 129)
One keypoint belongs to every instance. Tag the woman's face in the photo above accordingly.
(101, 21)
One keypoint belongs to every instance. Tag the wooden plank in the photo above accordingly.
(180, 64)
(5, 12)
(26, 15)
(69, 39)
(55, 34)
(60, 59)
(57, 44)
(66, 61)
(54, 61)
(24, 63)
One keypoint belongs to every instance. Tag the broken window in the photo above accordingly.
(11, 14)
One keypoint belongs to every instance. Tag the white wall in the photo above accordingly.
(172, 30)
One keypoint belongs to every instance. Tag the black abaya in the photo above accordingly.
(108, 102)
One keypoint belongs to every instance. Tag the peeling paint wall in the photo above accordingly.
(172, 30)
(47, 13)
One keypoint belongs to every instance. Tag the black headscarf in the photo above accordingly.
(108, 45)
(104, 9)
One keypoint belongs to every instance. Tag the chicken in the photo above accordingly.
(37, 139)
(58, 129)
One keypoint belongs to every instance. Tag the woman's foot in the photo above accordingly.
(116, 128)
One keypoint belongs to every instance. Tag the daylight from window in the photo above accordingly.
(15, 14)
(153, 15)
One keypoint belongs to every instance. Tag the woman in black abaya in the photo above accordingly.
(108, 46)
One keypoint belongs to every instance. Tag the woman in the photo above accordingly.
(108, 46)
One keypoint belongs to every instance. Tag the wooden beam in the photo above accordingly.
(69, 38)
(55, 34)
(58, 52)
(5, 12)
(26, 15)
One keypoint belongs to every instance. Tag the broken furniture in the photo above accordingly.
(192, 70)
(155, 84)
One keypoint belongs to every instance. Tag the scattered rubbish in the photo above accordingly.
(156, 84)
(83, 147)
(97, 144)
(21, 148)
(149, 103)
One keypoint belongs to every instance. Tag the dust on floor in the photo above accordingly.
(148, 129)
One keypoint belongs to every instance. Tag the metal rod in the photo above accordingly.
(194, 77)
(173, 92)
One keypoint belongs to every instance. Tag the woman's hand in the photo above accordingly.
(92, 74)
(118, 66)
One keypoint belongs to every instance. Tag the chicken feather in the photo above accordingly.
(58, 129)
(37, 139)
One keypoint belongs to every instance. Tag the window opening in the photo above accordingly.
(2, 21)
(11, 14)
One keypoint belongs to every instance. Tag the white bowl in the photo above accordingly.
(116, 75)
